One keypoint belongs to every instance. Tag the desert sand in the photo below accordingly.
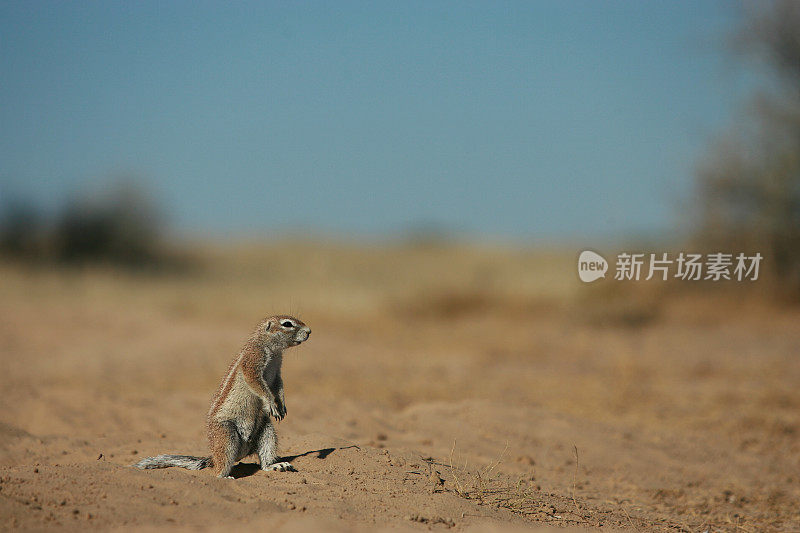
(442, 388)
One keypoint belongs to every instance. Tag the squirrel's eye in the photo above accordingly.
(287, 324)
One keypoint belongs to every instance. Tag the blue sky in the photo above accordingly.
(515, 120)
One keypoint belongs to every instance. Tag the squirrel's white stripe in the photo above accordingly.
(228, 378)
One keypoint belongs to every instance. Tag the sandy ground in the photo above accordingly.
(420, 402)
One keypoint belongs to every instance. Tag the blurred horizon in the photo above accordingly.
(516, 122)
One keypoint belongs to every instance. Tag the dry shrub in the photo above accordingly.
(122, 226)
(21, 227)
(748, 187)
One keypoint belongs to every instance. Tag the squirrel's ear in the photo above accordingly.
(269, 326)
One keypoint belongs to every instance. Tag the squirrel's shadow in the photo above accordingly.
(248, 469)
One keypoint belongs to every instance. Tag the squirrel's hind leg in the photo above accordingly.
(225, 442)
(268, 450)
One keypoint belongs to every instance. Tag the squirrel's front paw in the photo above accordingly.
(275, 412)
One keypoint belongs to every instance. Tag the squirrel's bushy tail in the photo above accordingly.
(165, 461)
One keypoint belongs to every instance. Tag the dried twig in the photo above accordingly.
(575, 478)
(459, 487)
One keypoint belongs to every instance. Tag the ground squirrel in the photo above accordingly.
(239, 418)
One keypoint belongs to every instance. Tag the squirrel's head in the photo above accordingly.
(282, 331)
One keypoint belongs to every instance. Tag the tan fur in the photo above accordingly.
(250, 396)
